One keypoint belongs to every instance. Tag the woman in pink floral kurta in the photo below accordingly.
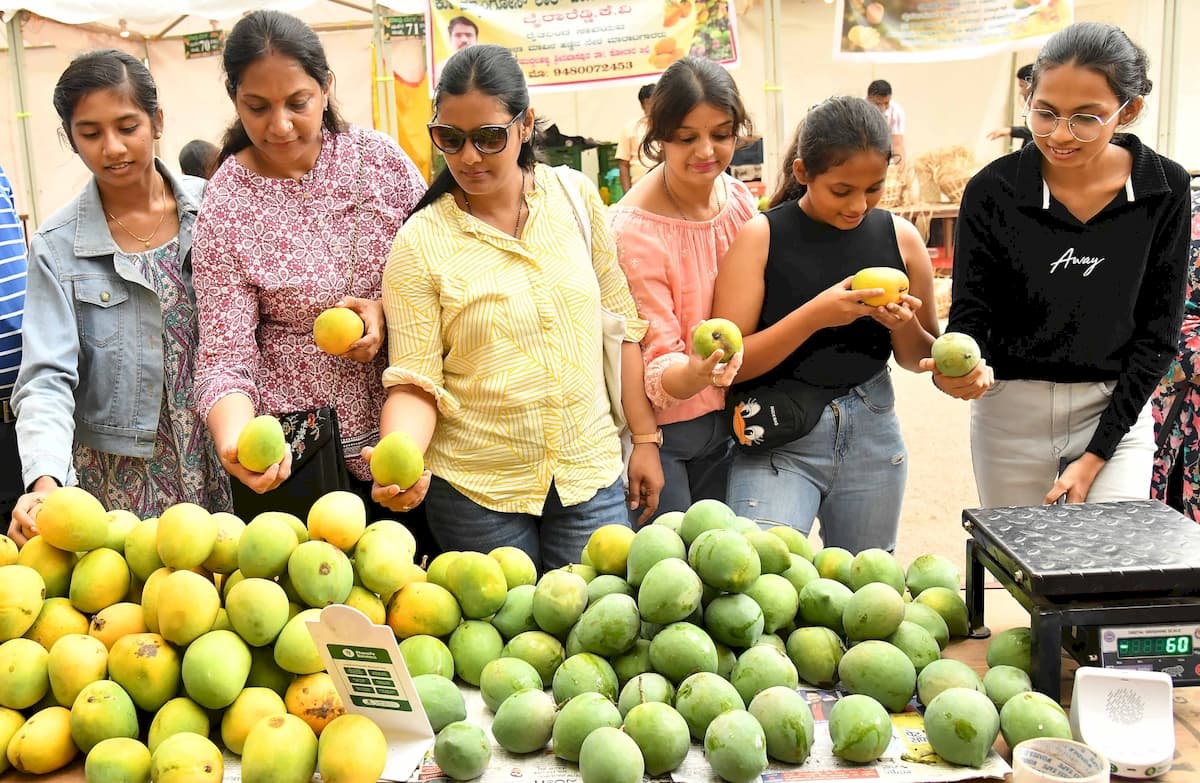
(1177, 464)
(298, 217)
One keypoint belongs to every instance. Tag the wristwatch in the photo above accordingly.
(655, 437)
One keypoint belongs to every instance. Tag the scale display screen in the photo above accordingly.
(1148, 646)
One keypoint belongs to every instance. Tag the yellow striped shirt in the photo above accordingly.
(505, 333)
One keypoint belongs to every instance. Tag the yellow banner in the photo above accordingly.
(933, 30)
(573, 43)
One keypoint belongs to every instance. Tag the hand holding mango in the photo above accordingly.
(955, 354)
(260, 444)
(893, 282)
(397, 460)
(336, 329)
(716, 333)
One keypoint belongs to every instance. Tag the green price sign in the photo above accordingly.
(207, 44)
(407, 26)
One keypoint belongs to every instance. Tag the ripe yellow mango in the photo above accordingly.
(339, 518)
(147, 667)
(75, 661)
(100, 579)
(251, 705)
(187, 534)
(186, 758)
(280, 749)
(24, 681)
(72, 519)
(351, 749)
(118, 760)
(313, 699)
(177, 716)
(57, 619)
(43, 744)
(54, 565)
(113, 622)
(187, 606)
(893, 282)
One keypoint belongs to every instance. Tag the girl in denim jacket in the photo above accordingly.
(108, 405)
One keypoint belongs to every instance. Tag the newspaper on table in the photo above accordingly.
(908, 758)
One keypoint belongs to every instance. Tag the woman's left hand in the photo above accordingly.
(365, 348)
(897, 314)
(1076, 481)
(645, 480)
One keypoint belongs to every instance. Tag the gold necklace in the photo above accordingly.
(679, 209)
(162, 205)
(516, 232)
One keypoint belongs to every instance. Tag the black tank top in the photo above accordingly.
(805, 258)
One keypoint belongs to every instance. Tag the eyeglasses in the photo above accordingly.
(488, 139)
(1084, 127)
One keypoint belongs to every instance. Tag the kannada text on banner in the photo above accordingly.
(930, 30)
(574, 43)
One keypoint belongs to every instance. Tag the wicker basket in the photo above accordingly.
(954, 182)
(898, 187)
(944, 172)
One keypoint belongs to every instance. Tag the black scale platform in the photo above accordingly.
(1087, 564)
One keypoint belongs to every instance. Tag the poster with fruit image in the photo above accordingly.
(933, 30)
(568, 44)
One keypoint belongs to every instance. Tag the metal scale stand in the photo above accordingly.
(1115, 584)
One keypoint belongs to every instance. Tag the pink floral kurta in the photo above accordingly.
(1183, 377)
(270, 254)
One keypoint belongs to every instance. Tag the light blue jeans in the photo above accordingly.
(849, 471)
(551, 540)
(696, 456)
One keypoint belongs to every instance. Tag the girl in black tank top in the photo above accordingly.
(786, 283)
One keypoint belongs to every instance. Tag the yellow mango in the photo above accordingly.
(101, 578)
(24, 682)
(147, 667)
(186, 758)
(313, 699)
(43, 744)
(113, 622)
(23, 592)
(351, 749)
(187, 534)
(53, 564)
(75, 661)
(251, 705)
(187, 606)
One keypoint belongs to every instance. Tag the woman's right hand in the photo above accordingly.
(840, 304)
(263, 482)
(971, 386)
(392, 497)
(24, 515)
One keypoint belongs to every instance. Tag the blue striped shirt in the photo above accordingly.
(12, 288)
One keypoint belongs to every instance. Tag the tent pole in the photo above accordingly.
(16, 46)
(1172, 48)
(775, 133)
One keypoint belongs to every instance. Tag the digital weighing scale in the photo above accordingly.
(1115, 584)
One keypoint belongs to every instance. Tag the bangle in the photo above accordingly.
(655, 437)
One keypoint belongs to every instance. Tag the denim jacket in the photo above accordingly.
(100, 383)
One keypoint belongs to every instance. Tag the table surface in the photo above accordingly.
(1001, 612)
(934, 210)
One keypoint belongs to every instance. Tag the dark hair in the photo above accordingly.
(833, 131)
(1103, 48)
(461, 20)
(491, 70)
(257, 35)
(686, 84)
(879, 88)
(104, 69)
(645, 91)
(198, 158)
(1025, 72)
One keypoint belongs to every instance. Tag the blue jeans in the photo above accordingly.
(551, 540)
(696, 456)
(849, 471)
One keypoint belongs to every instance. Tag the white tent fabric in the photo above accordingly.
(148, 13)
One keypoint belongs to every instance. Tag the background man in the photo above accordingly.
(463, 33)
(12, 305)
(629, 157)
(879, 92)
(1024, 78)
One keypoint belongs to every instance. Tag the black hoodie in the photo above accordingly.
(1050, 298)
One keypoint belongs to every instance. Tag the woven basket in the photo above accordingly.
(898, 187)
(945, 172)
(954, 182)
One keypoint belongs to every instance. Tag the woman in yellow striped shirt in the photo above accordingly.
(492, 294)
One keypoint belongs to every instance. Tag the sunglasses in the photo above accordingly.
(487, 139)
